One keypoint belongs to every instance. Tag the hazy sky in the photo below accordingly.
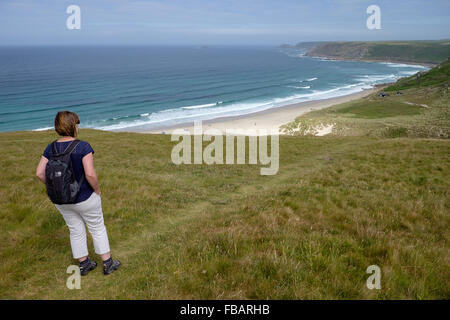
(35, 22)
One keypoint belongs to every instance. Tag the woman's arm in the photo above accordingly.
(89, 172)
(40, 170)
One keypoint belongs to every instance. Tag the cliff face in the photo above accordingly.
(344, 50)
(431, 52)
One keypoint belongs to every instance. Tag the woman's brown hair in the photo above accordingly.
(66, 123)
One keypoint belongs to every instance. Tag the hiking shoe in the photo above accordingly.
(84, 270)
(111, 267)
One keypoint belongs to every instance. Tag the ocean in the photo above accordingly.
(128, 88)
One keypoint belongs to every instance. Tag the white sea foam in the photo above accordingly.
(201, 106)
(372, 79)
(43, 129)
(297, 87)
(403, 65)
(408, 73)
(182, 115)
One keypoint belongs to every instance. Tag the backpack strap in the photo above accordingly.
(54, 151)
(70, 148)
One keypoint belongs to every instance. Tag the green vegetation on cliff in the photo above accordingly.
(438, 76)
(432, 52)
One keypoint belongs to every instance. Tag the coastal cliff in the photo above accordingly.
(424, 52)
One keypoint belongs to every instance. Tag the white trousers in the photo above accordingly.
(89, 212)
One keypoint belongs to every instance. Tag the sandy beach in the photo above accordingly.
(269, 120)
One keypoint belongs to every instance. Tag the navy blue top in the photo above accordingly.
(82, 149)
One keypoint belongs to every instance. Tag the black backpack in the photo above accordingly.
(62, 187)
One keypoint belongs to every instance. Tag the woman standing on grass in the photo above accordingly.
(86, 205)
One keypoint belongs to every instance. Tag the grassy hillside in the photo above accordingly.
(375, 191)
(436, 77)
(337, 205)
(406, 51)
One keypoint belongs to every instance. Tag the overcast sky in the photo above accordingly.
(218, 22)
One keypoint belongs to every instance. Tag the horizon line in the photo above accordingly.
(202, 44)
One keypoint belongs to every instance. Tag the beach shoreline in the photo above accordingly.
(270, 119)
(273, 118)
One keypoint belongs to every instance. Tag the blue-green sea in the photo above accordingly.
(129, 87)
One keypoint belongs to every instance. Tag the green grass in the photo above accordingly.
(375, 191)
(380, 109)
(337, 205)
(438, 76)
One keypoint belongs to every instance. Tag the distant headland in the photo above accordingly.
(430, 52)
